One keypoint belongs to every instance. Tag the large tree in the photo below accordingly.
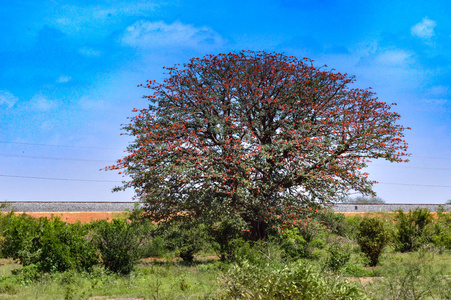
(254, 137)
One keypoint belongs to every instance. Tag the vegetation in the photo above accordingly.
(364, 200)
(110, 259)
(253, 139)
(372, 237)
(410, 228)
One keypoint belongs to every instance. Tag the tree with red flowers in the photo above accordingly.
(255, 137)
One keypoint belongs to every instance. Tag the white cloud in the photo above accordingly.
(97, 19)
(63, 79)
(159, 34)
(365, 48)
(439, 90)
(89, 52)
(424, 29)
(8, 99)
(39, 102)
(396, 57)
(89, 103)
(438, 95)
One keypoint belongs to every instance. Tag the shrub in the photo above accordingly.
(223, 235)
(351, 225)
(339, 256)
(118, 242)
(410, 228)
(276, 280)
(293, 244)
(405, 280)
(335, 222)
(50, 244)
(372, 237)
(438, 232)
(186, 238)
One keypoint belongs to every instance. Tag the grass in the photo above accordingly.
(421, 271)
(150, 280)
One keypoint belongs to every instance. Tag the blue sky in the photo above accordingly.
(69, 72)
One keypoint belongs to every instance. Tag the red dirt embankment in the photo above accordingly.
(74, 216)
(88, 216)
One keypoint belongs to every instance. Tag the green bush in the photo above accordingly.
(406, 279)
(223, 235)
(276, 280)
(339, 256)
(118, 242)
(185, 238)
(293, 244)
(410, 228)
(372, 237)
(335, 222)
(438, 232)
(351, 226)
(50, 244)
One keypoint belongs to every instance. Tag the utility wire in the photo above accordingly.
(109, 161)
(111, 148)
(413, 184)
(60, 179)
(53, 158)
(431, 157)
(407, 167)
(63, 146)
(95, 180)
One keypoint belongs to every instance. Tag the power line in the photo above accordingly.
(431, 157)
(62, 146)
(413, 184)
(96, 180)
(109, 161)
(407, 167)
(60, 179)
(53, 158)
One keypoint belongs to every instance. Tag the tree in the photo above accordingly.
(372, 238)
(364, 200)
(254, 137)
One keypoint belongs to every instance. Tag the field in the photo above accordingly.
(206, 278)
(317, 264)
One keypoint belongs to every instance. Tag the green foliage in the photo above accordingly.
(293, 244)
(339, 256)
(261, 271)
(256, 137)
(411, 279)
(185, 238)
(50, 244)
(438, 232)
(364, 200)
(334, 222)
(372, 237)
(118, 242)
(148, 281)
(223, 235)
(410, 228)
(28, 274)
(351, 226)
(276, 280)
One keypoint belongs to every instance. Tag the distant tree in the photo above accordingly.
(448, 201)
(372, 237)
(364, 199)
(253, 138)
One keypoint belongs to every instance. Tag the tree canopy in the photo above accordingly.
(254, 137)
(364, 200)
